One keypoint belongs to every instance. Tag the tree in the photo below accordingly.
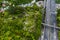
(17, 2)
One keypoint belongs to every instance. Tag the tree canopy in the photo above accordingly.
(16, 2)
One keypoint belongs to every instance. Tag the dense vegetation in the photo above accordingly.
(58, 17)
(58, 1)
(16, 2)
(58, 22)
(18, 23)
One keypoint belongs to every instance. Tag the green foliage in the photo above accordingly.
(58, 21)
(21, 23)
(58, 1)
(58, 17)
(16, 10)
(17, 2)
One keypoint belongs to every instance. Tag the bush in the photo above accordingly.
(15, 27)
(58, 21)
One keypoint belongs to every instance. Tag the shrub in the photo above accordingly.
(15, 27)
